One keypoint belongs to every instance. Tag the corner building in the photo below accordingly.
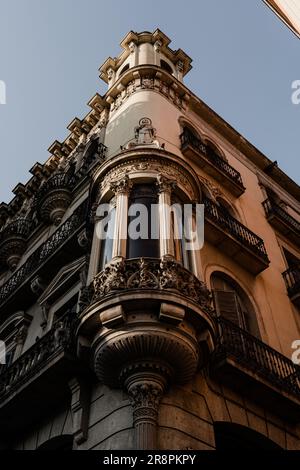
(141, 344)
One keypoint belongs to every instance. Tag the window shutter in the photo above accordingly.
(227, 305)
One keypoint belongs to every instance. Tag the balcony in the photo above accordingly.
(13, 240)
(54, 197)
(232, 237)
(292, 281)
(39, 261)
(257, 371)
(206, 158)
(38, 376)
(165, 276)
(282, 221)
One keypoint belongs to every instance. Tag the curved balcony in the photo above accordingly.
(206, 158)
(163, 276)
(150, 321)
(54, 198)
(234, 238)
(13, 240)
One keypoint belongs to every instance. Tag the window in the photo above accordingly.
(233, 304)
(213, 150)
(181, 252)
(164, 65)
(107, 237)
(146, 245)
(69, 306)
(126, 67)
(13, 333)
(226, 208)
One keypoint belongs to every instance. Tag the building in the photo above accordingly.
(288, 11)
(118, 343)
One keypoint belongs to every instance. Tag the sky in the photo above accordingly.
(244, 63)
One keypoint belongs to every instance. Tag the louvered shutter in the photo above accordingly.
(227, 306)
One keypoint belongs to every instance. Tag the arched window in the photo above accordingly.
(231, 436)
(143, 222)
(232, 303)
(165, 66)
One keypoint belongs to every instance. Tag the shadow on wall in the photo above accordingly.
(64, 442)
(230, 436)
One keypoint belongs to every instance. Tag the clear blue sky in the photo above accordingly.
(244, 61)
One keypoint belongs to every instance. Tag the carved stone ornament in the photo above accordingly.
(165, 274)
(170, 171)
(145, 134)
(165, 185)
(149, 82)
(121, 186)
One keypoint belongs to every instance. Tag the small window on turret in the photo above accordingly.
(126, 67)
(164, 65)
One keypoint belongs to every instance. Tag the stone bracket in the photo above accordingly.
(80, 408)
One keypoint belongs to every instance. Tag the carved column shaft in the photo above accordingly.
(165, 226)
(122, 189)
(145, 391)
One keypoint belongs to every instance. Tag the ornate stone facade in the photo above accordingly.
(145, 344)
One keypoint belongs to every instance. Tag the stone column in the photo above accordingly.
(145, 391)
(166, 235)
(121, 188)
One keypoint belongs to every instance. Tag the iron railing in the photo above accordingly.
(188, 138)
(292, 280)
(55, 182)
(235, 228)
(38, 257)
(17, 228)
(261, 359)
(273, 209)
(31, 362)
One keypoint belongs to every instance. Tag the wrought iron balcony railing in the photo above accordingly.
(282, 220)
(43, 252)
(235, 228)
(188, 139)
(261, 359)
(292, 281)
(59, 339)
(18, 228)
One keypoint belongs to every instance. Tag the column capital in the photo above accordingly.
(121, 186)
(165, 185)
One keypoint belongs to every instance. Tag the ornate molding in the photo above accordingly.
(154, 81)
(145, 393)
(154, 274)
(170, 170)
(121, 186)
(13, 241)
(165, 185)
